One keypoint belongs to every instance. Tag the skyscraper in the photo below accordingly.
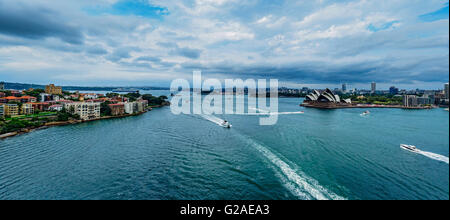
(446, 90)
(2, 86)
(393, 90)
(374, 87)
(344, 87)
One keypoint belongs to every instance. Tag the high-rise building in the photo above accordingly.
(446, 90)
(53, 90)
(373, 87)
(344, 87)
(2, 86)
(393, 90)
(410, 101)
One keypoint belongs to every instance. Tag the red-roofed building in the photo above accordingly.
(41, 106)
(25, 99)
(16, 93)
(65, 101)
(12, 99)
(117, 109)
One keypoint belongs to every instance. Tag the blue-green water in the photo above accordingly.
(322, 154)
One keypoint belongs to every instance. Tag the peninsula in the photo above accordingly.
(22, 111)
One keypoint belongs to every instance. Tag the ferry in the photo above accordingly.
(129, 90)
(409, 147)
(446, 109)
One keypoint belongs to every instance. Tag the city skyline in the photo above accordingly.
(318, 44)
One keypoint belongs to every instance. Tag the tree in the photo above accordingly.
(105, 110)
(110, 95)
(152, 100)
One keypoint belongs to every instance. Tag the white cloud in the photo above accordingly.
(292, 40)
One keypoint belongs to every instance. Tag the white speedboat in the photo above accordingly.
(226, 124)
(409, 147)
(365, 113)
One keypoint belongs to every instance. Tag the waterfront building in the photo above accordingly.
(2, 94)
(117, 109)
(446, 91)
(410, 101)
(425, 100)
(326, 97)
(53, 90)
(373, 87)
(27, 109)
(25, 99)
(2, 110)
(56, 108)
(131, 107)
(393, 90)
(86, 110)
(41, 106)
(11, 110)
(12, 99)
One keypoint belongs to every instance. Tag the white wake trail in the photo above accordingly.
(214, 119)
(298, 181)
(434, 156)
(262, 112)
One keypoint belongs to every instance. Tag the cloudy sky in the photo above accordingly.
(150, 42)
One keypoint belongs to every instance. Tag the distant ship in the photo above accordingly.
(126, 90)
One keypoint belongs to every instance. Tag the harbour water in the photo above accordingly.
(321, 154)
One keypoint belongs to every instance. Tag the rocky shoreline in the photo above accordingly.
(71, 122)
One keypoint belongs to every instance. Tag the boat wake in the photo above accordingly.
(263, 112)
(296, 181)
(433, 156)
(214, 119)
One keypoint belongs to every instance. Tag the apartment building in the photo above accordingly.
(27, 109)
(86, 110)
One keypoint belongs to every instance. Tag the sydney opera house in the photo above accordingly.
(326, 99)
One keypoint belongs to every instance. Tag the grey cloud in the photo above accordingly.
(187, 52)
(121, 53)
(149, 59)
(97, 50)
(36, 23)
(167, 44)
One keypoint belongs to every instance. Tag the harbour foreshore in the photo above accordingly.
(339, 106)
(72, 122)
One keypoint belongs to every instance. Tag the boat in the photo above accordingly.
(409, 147)
(446, 109)
(365, 113)
(226, 124)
